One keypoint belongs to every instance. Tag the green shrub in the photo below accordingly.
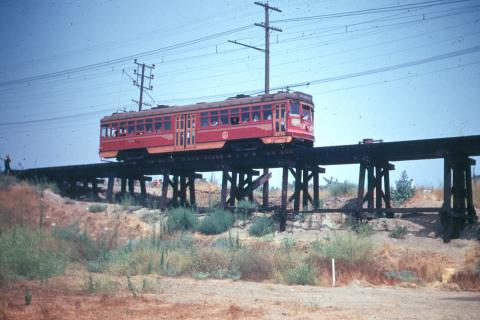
(82, 245)
(399, 232)
(95, 266)
(30, 253)
(214, 261)
(230, 243)
(245, 208)
(402, 275)
(303, 274)
(349, 248)
(128, 200)
(97, 207)
(216, 222)
(340, 189)
(252, 264)
(181, 219)
(403, 189)
(100, 285)
(262, 226)
(68, 201)
(364, 229)
(142, 258)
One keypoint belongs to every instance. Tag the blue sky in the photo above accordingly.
(428, 50)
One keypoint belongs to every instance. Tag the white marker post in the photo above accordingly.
(333, 272)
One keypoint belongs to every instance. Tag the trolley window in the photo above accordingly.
(306, 113)
(234, 117)
(245, 115)
(267, 112)
(122, 129)
(104, 130)
(140, 127)
(224, 117)
(167, 123)
(115, 130)
(148, 125)
(131, 127)
(294, 108)
(256, 114)
(214, 118)
(158, 124)
(204, 119)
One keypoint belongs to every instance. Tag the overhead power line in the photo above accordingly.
(410, 6)
(13, 123)
(385, 69)
(216, 35)
(121, 59)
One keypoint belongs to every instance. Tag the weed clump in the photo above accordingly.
(303, 274)
(181, 219)
(399, 232)
(341, 188)
(82, 246)
(216, 222)
(253, 264)
(261, 226)
(364, 229)
(402, 275)
(348, 248)
(245, 208)
(100, 285)
(97, 207)
(30, 254)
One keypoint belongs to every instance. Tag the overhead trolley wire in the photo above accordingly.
(122, 59)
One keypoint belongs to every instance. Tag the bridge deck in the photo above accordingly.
(219, 160)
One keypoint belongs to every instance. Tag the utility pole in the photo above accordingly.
(266, 25)
(140, 82)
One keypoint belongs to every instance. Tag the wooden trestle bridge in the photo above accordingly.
(247, 170)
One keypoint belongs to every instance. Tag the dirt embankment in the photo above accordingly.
(23, 204)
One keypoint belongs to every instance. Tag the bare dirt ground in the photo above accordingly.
(181, 298)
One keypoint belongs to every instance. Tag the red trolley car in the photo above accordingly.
(243, 122)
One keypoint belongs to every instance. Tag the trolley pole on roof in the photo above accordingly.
(140, 82)
(266, 25)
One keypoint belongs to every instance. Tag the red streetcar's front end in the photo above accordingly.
(300, 120)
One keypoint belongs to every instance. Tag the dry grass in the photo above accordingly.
(426, 266)
(19, 205)
(23, 204)
(467, 280)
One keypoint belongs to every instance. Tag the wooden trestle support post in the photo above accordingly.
(180, 182)
(242, 185)
(377, 195)
(458, 208)
(124, 182)
(265, 191)
(302, 176)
